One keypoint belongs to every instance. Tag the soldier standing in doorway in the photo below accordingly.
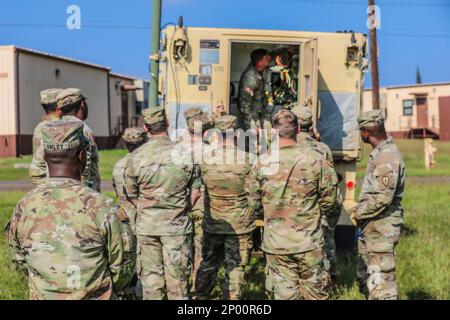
(281, 86)
(252, 101)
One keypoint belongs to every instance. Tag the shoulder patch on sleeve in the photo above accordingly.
(383, 169)
(385, 180)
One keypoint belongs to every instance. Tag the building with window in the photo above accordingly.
(114, 100)
(415, 111)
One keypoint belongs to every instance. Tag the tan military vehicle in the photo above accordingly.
(201, 67)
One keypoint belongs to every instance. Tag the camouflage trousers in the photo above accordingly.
(376, 259)
(164, 266)
(300, 276)
(197, 238)
(130, 247)
(329, 224)
(330, 250)
(257, 118)
(234, 252)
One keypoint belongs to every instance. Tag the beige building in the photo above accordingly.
(114, 100)
(415, 111)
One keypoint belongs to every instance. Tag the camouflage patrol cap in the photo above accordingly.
(206, 120)
(370, 119)
(192, 112)
(154, 115)
(304, 116)
(191, 115)
(63, 135)
(225, 123)
(69, 97)
(286, 122)
(284, 116)
(49, 96)
(134, 135)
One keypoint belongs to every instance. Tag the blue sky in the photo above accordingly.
(117, 33)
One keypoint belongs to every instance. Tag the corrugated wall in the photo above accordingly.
(8, 119)
(7, 92)
(37, 73)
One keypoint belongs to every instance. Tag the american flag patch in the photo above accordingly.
(249, 90)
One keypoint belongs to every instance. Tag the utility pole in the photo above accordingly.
(374, 56)
(154, 57)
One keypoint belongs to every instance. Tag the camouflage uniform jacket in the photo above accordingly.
(226, 189)
(331, 219)
(280, 88)
(251, 91)
(38, 167)
(70, 242)
(118, 180)
(91, 176)
(383, 186)
(198, 210)
(160, 176)
(306, 140)
(302, 189)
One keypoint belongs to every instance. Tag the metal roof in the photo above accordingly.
(416, 85)
(62, 58)
(70, 60)
(124, 76)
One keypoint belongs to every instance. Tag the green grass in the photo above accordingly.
(8, 172)
(108, 159)
(412, 151)
(423, 256)
(12, 285)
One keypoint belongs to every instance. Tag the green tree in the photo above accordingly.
(418, 75)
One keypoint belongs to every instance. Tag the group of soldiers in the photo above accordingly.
(188, 207)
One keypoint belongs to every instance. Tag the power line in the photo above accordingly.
(88, 26)
(136, 27)
(390, 3)
(411, 35)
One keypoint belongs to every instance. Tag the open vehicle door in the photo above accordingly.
(308, 76)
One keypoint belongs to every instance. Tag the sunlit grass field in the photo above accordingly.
(423, 254)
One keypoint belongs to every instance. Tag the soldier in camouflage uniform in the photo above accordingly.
(70, 241)
(134, 138)
(228, 222)
(252, 106)
(293, 199)
(38, 167)
(162, 182)
(74, 107)
(193, 116)
(379, 213)
(329, 220)
(281, 85)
